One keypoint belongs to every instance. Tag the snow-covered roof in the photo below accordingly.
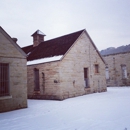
(39, 32)
(44, 60)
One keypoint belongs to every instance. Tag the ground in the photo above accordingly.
(99, 111)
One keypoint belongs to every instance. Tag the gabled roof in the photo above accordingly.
(53, 47)
(12, 42)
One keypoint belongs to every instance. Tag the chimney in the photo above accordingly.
(38, 37)
(15, 39)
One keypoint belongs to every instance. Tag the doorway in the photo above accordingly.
(86, 77)
(36, 80)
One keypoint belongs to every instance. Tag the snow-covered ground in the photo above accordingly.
(100, 111)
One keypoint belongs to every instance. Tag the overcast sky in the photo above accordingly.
(106, 21)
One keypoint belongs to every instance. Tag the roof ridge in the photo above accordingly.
(52, 47)
(57, 37)
(64, 35)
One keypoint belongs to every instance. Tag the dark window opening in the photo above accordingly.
(96, 68)
(4, 79)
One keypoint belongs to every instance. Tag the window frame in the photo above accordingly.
(96, 67)
(107, 73)
(124, 71)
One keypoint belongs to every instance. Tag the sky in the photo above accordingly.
(106, 21)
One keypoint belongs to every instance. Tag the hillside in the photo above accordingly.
(113, 50)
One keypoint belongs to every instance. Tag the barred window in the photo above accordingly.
(4, 79)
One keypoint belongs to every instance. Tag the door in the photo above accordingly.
(36, 80)
(86, 77)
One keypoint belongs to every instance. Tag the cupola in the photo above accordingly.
(38, 37)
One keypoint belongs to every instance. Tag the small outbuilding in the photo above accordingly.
(13, 74)
(64, 67)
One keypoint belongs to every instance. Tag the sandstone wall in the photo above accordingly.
(7, 49)
(65, 78)
(81, 55)
(49, 83)
(17, 76)
(114, 63)
(17, 85)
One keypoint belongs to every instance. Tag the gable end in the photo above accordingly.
(13, 43)
(94, 46)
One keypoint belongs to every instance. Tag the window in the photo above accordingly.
(96, 68)
(36, 80)
(107, 73)
(4, 79)
(86, 77)
(124, 71)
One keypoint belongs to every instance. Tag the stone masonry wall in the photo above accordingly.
(114, 66)
(17, 85)
(49, 83)
(81, 55)
(7, 49)
(17, 76)
(65, 78)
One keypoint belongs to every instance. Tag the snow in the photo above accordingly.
(44, 60)
(39, 32)
(28, 53)
(99, 111)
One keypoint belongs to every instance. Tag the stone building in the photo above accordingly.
(13, 74)
(64, 67)
(117, 69)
